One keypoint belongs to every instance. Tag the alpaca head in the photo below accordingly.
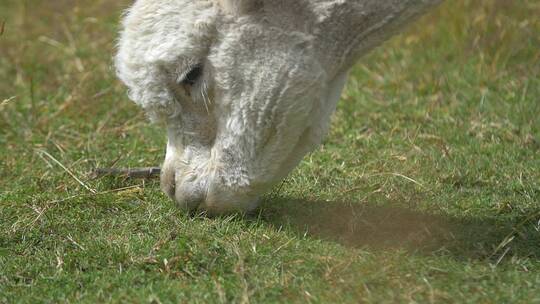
(245, 91)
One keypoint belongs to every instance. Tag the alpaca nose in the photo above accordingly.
(206, 193)
(168, 182)
(187, 195)
(188, 198)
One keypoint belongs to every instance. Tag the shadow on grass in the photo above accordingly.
(385, 227)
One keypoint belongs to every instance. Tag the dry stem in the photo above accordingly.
(146, 173)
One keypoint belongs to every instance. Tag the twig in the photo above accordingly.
(145, 173)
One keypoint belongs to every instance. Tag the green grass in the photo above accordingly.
(426, 190)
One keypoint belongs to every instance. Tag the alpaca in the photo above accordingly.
(245, 88)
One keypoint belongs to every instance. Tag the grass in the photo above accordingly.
(426, 190)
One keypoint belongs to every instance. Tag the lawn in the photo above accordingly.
(427, 188)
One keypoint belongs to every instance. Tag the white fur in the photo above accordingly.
(273, 71)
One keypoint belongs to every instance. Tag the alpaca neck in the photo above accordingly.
(348, 29)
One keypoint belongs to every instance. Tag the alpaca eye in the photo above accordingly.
(193, 75)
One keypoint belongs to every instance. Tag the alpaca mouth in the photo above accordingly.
(212, 193)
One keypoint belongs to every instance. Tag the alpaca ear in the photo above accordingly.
(237, 7)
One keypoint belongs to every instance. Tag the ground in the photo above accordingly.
(427, 188)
